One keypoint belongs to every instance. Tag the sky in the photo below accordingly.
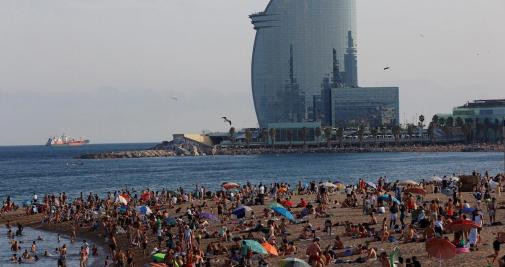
(120, 71)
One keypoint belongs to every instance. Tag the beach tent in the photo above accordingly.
(158, 257)
(144, 210)
(229, 185)
(254, 246)
(209, 216)
(241, 211)
(270, 249)
(408, 182)
(293, 262)
(440, 248)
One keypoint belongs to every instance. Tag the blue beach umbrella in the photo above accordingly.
(254, 246)
(275, 205)
(241, 211)
(209, 216)
(384, 197)
(394, 199)
(144, 210)
(284, 212)
(468, 210)
(293, 262)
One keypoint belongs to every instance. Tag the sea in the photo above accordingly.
(25, 170)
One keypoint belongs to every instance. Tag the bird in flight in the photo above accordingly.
(387, 68)
(226, 119)
(174, 98)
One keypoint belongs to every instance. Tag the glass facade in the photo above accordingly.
(299, 44)
(365, 106)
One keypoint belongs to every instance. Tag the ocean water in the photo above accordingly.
(28, 169)
(49, 243)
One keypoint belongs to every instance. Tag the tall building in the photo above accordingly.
(302, 47)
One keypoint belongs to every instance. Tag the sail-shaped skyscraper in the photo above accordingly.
(299, 46)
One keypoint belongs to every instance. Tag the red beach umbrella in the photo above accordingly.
(416, 190)
(440, 248)
(271, 249)
(288, 203)
(462, 225)
(230, 185)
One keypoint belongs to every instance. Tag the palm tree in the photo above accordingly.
(360, 133)
(396, 132)
(264, 136)
(327, 135)
(421, 121)
(248, 137)
(441, 122)
(449, 123)
(340, 135)
(431, 130)
(289, 136)
(434, 119)
(231, 132)
(304, 136)
(272, 133)
(410, 130)
(317, 133)
(374, 132)
(459, 122)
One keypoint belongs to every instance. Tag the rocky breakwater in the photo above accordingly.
(129, 154)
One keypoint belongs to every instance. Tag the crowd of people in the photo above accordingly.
(201, 228)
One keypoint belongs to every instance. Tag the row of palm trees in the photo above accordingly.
(474, 130)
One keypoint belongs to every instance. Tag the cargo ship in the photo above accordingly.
(66, 141)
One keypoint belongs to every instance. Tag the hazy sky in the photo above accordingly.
(108, 69)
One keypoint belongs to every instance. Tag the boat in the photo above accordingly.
(64, 140)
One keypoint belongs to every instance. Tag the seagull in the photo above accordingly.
(387, 68)
(226, 120)
(422, 35)
(174, 98)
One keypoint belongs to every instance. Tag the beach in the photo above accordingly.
(218, 232)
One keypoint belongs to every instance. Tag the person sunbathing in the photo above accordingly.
(338, 243)
(385, 234)
(409, 234)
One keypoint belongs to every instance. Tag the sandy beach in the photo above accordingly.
(334, 211)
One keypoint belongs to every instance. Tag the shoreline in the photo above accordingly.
(159, 153)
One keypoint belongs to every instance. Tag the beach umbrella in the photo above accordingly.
(284, 212)
(283, 190)
(230, 185)
(293, 262)
(158, 257)
(209, 216)
(254, 246)
(408, 182)
(436, 179)
(468, 210)
(384, 197)
(144, 210)
(274, 205)
(288, 203)
(270, 249)
(394, 199)
(493, 184)
(122, 200)
(416, 190)
(328, 185)
(462, 225)
(338, 182)
(453, 178)
(241, 211)
(440, 248)
(171, 221)
(371, 184)
(340, 186)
